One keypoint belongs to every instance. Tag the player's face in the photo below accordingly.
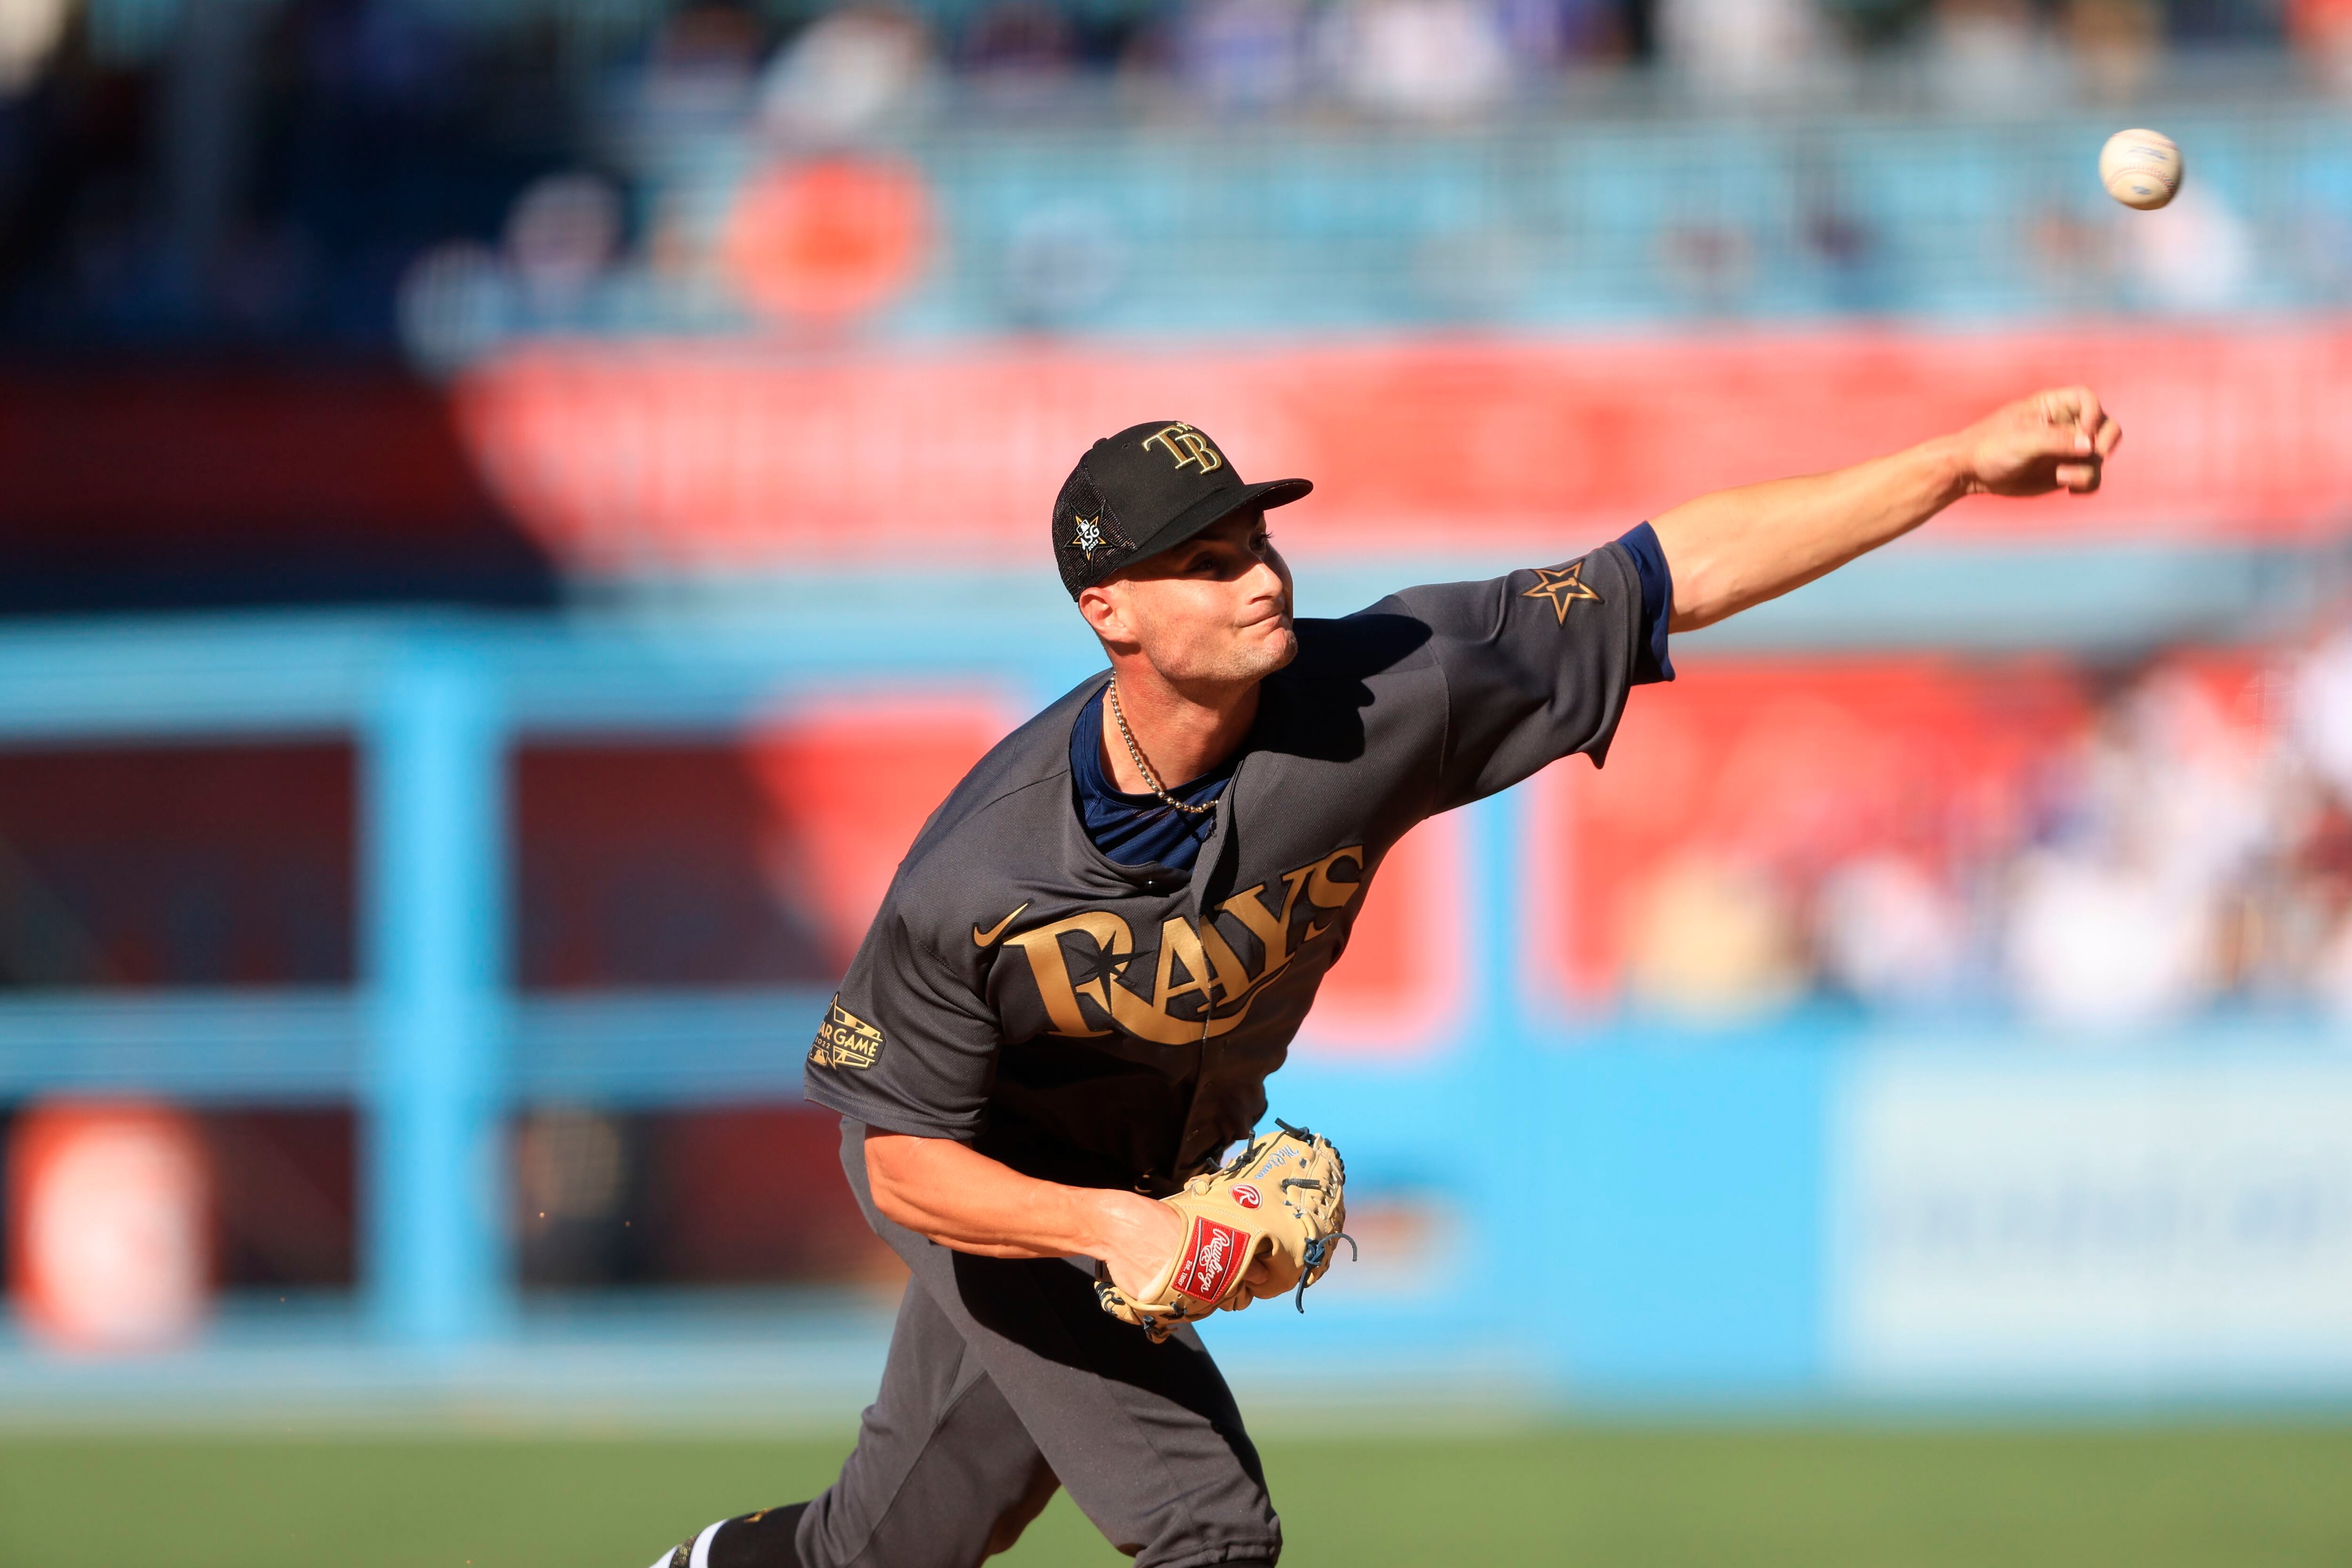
(1214, 609)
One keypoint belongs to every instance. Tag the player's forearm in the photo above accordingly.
(962, 1199)
(1739, 547)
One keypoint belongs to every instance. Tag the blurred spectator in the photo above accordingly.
(1018, 49)
(2321, 31)
(2314, 906)
(1991, 55)
(29, 32)
(1541, 36)
(683, 235)
(1417, 59)
(455, 302)
(1867, 25)
(1244, 54)
(1832, 230)
(1890, 934)
(848, 71)
(2121, 919)
(2105, 946)
(702, 69)
(2320, 713)
(2116, 43)
(2204, 22)
(1747, 46)
(1713, 942)
(562, 232)
(2191, 781)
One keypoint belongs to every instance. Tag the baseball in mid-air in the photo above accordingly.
(2140, 168)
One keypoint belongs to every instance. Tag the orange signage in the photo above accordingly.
(669, 456)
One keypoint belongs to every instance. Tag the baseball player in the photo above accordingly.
(1100, 947)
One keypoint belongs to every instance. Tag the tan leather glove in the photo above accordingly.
(1283, 1200)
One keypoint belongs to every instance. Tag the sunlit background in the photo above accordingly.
(513, 512)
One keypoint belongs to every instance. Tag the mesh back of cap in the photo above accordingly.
(1089, 545)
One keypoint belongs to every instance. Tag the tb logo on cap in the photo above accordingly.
(1187, 446)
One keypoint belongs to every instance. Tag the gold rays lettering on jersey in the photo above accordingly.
(1563, 586)
(1187, 446)
(1192, 961)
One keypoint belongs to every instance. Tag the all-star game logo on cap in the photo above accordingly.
(1145, 489)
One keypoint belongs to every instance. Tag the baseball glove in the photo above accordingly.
(1284, 1199)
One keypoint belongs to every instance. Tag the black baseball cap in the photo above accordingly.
(1148, 488)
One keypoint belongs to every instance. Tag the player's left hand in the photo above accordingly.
(2058, 439)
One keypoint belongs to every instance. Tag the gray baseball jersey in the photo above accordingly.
(1106, 1024)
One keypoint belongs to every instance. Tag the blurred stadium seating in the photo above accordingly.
(514, 512)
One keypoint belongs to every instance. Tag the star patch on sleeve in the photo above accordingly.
(1563, 586)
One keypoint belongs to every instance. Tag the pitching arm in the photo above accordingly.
(1739, 547)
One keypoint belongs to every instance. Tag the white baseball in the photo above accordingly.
(2140, 168)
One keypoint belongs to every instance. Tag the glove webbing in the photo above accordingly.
(1319, 1249)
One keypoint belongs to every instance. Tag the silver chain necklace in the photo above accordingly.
(1135, 753)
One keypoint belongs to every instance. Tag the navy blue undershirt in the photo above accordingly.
(1142, 830)
(1650, 663)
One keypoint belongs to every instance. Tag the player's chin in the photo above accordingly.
(1271, 644)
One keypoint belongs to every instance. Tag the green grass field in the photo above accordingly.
(2244, 1497)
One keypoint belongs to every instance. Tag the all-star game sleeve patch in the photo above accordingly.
(845, 1040)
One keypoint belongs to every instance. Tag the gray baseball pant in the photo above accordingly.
(1005, 1379)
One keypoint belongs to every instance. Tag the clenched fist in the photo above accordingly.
(2052, 440)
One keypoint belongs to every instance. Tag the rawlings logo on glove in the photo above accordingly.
(1283, 1202)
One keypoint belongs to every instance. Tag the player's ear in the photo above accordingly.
(1106, 613)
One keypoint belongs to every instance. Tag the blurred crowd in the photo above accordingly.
(2182, 849)
(1436, 59)
(260, 170)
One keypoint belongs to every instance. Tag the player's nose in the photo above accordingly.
(1262, 582)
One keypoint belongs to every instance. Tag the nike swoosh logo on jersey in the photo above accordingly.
(988, 938)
